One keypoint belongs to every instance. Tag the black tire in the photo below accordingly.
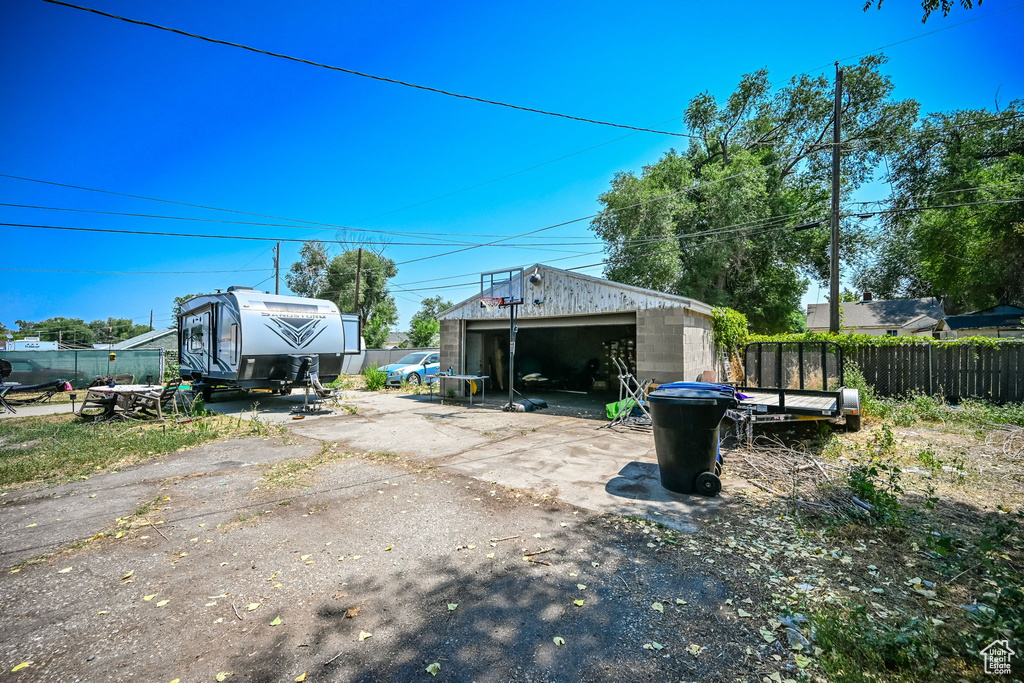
(708, 484)
(718, 469)
(413, 379)
(207, 392)
(853, 423)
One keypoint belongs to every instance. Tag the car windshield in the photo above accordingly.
(412, 359)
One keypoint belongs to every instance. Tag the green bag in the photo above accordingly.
(625, 405)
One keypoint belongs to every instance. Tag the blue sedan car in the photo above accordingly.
(414, 368)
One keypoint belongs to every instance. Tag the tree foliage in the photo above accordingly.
(424, 328)
(77, 331)
(308, 275)
(929, 6)
(970, 257)
(382, 316)
(713, 222)
(176, 307)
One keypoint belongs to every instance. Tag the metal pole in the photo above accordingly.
(151, 320)
(277, 269)
(359, 268)
(511, 354)
(833, 301)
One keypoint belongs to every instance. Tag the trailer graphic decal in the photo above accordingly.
(298, 332)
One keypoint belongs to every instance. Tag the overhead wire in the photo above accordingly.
(361, 74)
(136, 272)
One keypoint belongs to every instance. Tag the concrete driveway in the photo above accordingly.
(427, 534)
(578, 460)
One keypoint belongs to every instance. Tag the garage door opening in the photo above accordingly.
(557, 355)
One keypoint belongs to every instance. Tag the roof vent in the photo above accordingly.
(239, 288)
(867, 295)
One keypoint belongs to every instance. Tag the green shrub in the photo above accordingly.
(375, 378)
(858, 647)
(729, 329)
(875, 478)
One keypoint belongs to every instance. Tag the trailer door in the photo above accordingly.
(197, 339)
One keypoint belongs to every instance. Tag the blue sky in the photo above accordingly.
(104, 104)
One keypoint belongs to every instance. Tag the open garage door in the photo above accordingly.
(568, 353)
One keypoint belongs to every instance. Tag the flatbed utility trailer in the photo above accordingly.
(795, 382)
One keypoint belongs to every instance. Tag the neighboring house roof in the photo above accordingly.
(397, 337)
(144, 339)
(1003, 316)
(891, 313)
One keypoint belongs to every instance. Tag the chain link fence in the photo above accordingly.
(80, 368)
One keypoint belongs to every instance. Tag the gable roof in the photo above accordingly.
(144, 338)
(891, 313)
(630, 294)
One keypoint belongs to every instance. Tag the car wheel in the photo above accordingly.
(414, 379)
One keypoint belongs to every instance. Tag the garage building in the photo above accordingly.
(571, 326)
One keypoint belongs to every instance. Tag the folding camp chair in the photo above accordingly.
(632, 395)
(317, 396)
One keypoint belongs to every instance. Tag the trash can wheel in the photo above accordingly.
(708, 484)
(718, 468)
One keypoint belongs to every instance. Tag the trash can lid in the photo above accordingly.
(723, 390)
(694, 393)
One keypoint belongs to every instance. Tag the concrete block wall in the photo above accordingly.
(673, 344)
(699, 346)
(452, 351)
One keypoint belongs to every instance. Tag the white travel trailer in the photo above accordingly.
(247, 339)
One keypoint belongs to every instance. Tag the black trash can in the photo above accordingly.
(686, 417)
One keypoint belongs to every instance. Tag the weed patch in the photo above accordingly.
(60, 446)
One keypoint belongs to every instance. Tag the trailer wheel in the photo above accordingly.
(708, 484)
(853, 422)
(207, 393)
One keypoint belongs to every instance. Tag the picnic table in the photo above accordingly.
(468, 379)
(123, 397)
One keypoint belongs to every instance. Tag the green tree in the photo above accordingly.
(382, 316)
(424, 328)
(176, 307)
(308, 275)
(929, 6)
(113, 330)
(373, 285)
(713, 222)
(971, 257)
(68, 330)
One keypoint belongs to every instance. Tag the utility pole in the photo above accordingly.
(359, 268)
(277, 269)
(833, 298)
(151, 320)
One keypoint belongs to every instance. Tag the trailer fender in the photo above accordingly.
(851, 409)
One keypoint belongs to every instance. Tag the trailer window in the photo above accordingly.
(195, 339)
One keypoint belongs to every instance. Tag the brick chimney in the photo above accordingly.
(867, 295)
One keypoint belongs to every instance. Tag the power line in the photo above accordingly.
(366, 75)
(907, 40)
(285, 239)
(584, 218)
(217, 220)
(136, 272)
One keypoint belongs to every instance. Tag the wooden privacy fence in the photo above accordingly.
(953, 371)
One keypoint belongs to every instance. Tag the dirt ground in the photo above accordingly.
(370, 546)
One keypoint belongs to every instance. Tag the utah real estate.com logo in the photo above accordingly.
(997, 657)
